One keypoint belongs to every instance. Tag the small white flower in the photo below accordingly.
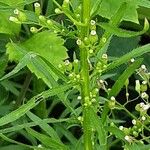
(39, 146)
(13, 19)
(104, 56)
(143, 118)
(79, 97)
(144, 82)
(92, 22)
(78, 42)
(67, 62)
(121, 127)
(134, 122)
(146, 107)
(37, 4)
(93, 32)
(132, 60)
(76, 60)
(144, 95)
(143, 67)
(142, 104)
(128, 138)
(112, 98)
(16, 11)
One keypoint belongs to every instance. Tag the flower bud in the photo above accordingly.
(33, 29)
(58, 11)
(137, 86)
(37, 8)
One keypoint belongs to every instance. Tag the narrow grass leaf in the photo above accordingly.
(47, 141)
(133, 54)
(122, 32)
(44, 126)
(18, 143)
(65, 132)
(121, 80)
(32, 124)
(16, 114)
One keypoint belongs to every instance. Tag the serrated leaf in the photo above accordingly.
(99, 127)
(48, 45)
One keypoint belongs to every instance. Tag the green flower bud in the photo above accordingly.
(58, 11)
(137, 86)
(14, 19)
(33, 29)
(143, 86)
(65, 4)
(37, 8)
(112, 103)
(93, 37)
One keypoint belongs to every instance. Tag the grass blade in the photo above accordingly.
(16, 114)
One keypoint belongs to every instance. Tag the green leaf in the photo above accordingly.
(32, 124)
(137, 146)
(16, 114)
(16, 147)
(47, 128)
(47, 141)
(117, 132)
(97, 124)
(48, 45)
(3, 64)
(109, 7)
(133, 54)
(124, 33)
(18, 143)
(121, 80)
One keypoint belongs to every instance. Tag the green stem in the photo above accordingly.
(85, 89)
(23, 90)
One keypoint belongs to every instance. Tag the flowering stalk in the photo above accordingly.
(85, 90)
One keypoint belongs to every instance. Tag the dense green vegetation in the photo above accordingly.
(74, 74)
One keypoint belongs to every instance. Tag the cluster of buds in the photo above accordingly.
(93, 37)
(142, 108)
(74, 77)
(102, 64)
(141, 88)
(112, 102)
(66, 66)
(94, 94)
(19, 17)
